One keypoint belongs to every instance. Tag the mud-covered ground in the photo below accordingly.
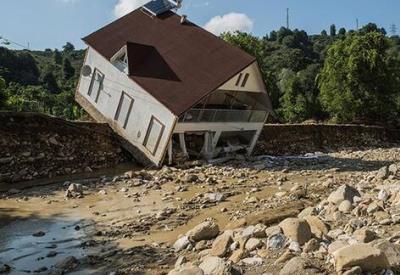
(129, 223)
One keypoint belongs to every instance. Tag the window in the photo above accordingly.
(246, 77)
(153, 135)
(96, 85)
(238, 80)
(124, 110)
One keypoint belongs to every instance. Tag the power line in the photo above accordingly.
(5, 41)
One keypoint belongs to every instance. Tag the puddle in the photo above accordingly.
(26, 253)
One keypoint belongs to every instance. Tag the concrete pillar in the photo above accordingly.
(183, 144)
(170, 153)
(254, 142)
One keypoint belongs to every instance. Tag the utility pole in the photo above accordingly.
(357, 24)
(393, 29)
(287, 18)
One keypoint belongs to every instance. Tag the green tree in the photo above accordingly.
(57, 57)
(50, 82)
(342, 32)
(68, 47)
(359, 79)
(68, 70)
(332, 30)
(3, 96)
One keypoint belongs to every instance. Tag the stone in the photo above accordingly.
(286, 256)
(253, 244)
(391, 250)
(276, 241)
(364, 235)
(393, 169)
(180, 261)
(75, 187)
(215, 266)
(38, 234)
(294, 246)
(257, 231)
(190, 178)
(383, 173)
(318, 227)
(383, 195)
(51, 254)
(306, 212)
(336, 245)
(345, 207)
(299, 266)
(67, 264)
(296, 229)
(254, 261)
(181, 243)
(353, 271)
(204, 231)
(237, 255)
(221, 244)
(214, 197)
(344, 192)
(367, 257)
(311, 246)
(273, 230)
(186, 270)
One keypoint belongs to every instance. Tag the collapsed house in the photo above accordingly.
(168, 87)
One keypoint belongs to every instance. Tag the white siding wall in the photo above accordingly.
(144, 106)
(253, 84)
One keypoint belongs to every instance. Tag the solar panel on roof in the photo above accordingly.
(157, 7)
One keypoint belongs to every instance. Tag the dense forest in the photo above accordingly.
(339, 76)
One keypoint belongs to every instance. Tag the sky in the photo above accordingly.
(51, 23)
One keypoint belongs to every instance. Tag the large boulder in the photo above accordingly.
(296, 229)
(204, 231)
(367, 257)
(186, 270)
(215, 266)
(318, 227)
(299, 266)
(391, 250)
(221, 244)
(344, 192)
(181, 243)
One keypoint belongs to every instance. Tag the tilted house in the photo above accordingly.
(164, 84)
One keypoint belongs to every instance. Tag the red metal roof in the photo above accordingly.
(178, 64)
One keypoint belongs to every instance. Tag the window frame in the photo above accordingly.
(95, 72)
(246, 78)
(118, 112)
(146, 138)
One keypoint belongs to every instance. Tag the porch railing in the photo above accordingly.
(221, 115)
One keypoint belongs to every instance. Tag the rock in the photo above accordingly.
(296, 229)
(299, 266)
(204, 231)
(345, 207)
(255, 261)
(383, 173)
(253, 244)
(374, 207)
(75, 187)
(344, 192)
(273, 230)
(221, 244)
(190, 178)
(383, 195)
(180, 261)
(318, 227)
(214, 197)
(102, 192)
(393, 169)
(215, 266)
(237, 255)
(336, 245)
(14, 191)
(39, 234)
(286, 256)
(257, 231)
(307, 212)
(4, 268)
(294, 246)
(354, 271)
(276, 241)
(369, 258)
(186, 270)
(67, 264)
(311, 246)
(181, 243)
(391, 250)
(364, 235)
(51, 254)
